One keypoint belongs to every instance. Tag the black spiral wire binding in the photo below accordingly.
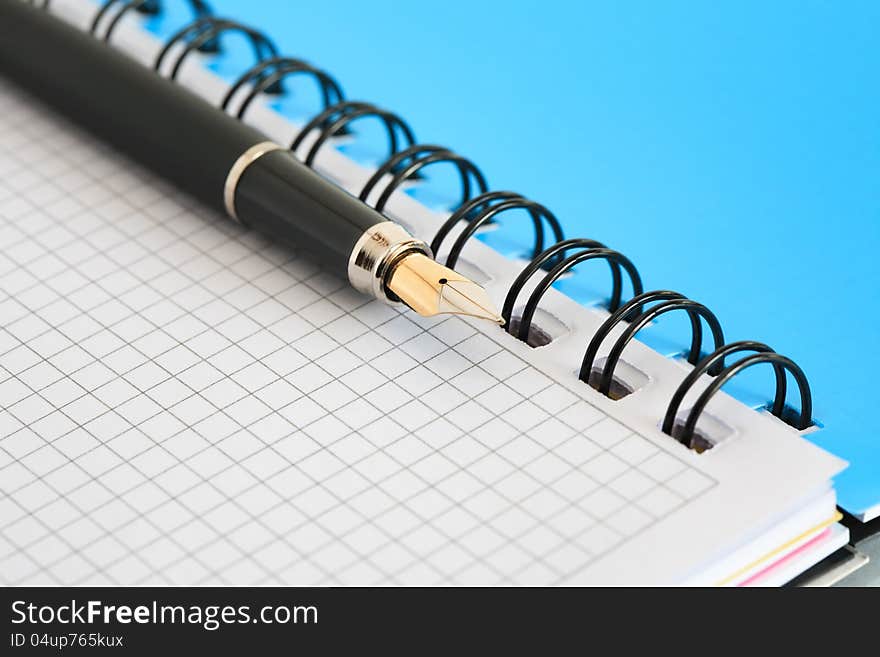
(687, 435)
(145, 7)
(539, 262)
(407, 164)
(586, 250)
(335, 119)
(270, 71)
(405, 161)
(201, 31)
(716, 359)
(482, 209)
(149, 8)
(637, 318)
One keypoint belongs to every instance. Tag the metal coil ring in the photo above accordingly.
(394, 163)
(694, 311)
(149, 7)
(198, 26)
(283, 67)
(625, 313)
(264, 48)
(479, 212)
(332, 120)
(202, 30)
(553, 275)
(419, 157)
(323, 117)
(548, 255)
(717, 357)
(153, 7)
(806, 414)
(470, 210)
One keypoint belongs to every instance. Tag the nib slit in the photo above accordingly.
(430, 289)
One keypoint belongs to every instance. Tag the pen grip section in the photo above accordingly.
(281, 197)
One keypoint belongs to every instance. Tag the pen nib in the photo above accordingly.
(464, 297)
(429, 288)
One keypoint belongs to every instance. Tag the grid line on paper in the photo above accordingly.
(303, 489)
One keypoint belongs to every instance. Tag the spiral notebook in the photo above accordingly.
(185, 402)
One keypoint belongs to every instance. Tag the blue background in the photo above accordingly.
(731, 150)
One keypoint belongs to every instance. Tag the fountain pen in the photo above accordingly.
(225, 163)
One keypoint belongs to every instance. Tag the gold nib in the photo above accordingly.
(429, 288)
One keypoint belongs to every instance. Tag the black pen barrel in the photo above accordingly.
(167, 129)
(177, 134)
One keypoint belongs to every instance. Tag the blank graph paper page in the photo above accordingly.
(183, 402)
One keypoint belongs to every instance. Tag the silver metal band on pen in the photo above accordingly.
(375, 253)
(244, 160)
